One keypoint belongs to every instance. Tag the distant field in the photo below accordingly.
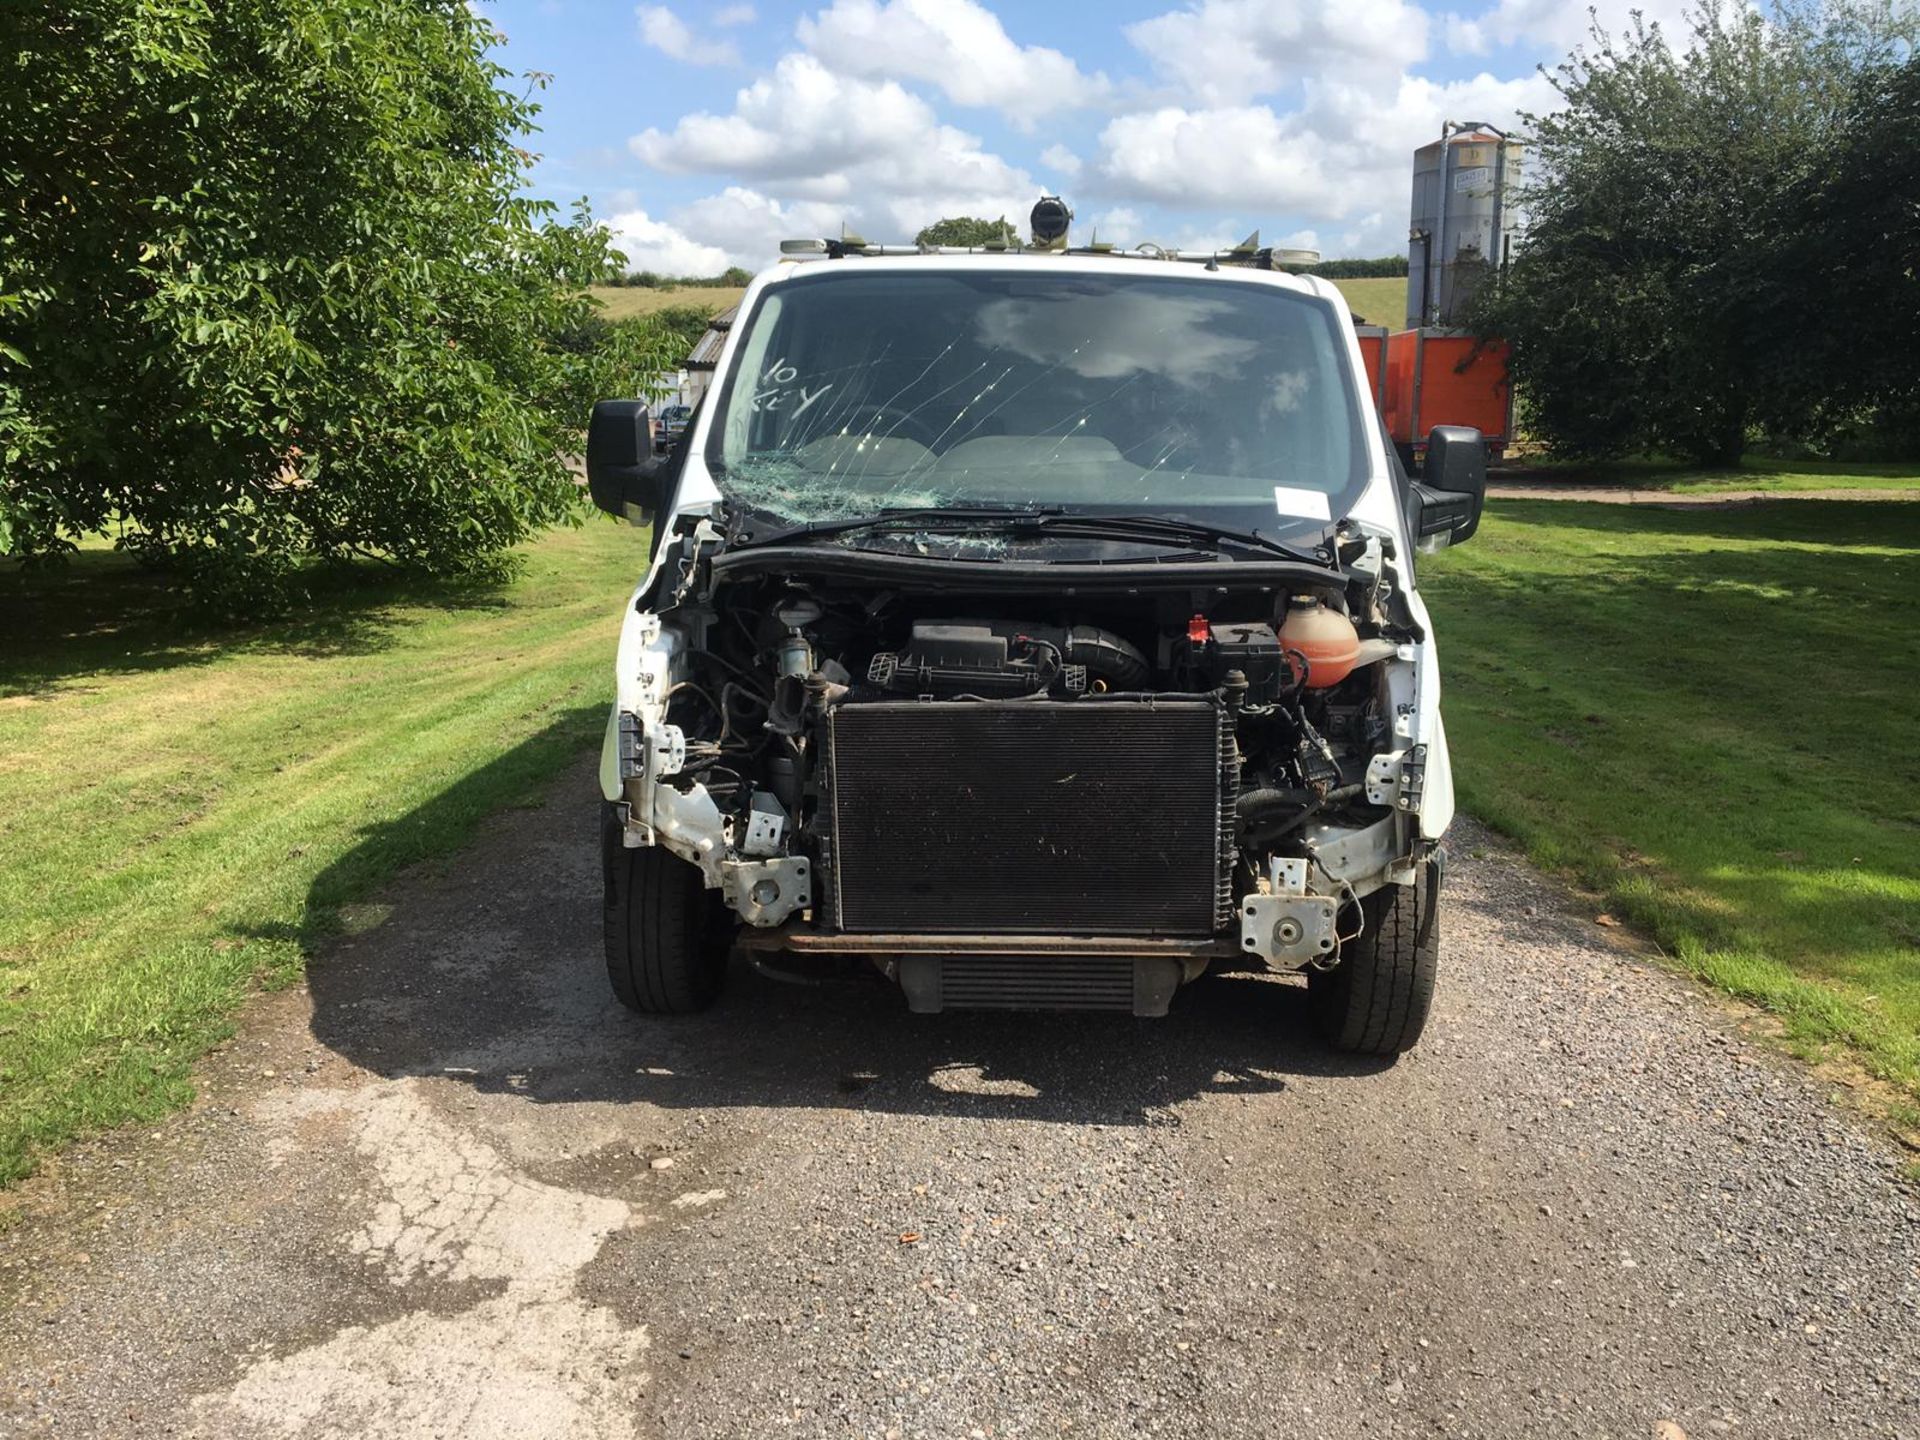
(1378, 302)
(622, 301)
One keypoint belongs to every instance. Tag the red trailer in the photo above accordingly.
(1431, 377)
(1373, 353)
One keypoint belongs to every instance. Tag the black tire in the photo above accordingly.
(666, 955)
(1375, 1002)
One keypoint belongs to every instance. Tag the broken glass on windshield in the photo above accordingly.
(859, 392)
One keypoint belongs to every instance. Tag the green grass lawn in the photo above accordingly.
(182, 811)
(1710, 718)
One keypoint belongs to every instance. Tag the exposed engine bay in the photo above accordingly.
(888, 764)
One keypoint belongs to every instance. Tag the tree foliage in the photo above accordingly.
(1652, 305)
(1853, 245)
(1384, 267)
(269, 290)
(733, 275)
(965, 230)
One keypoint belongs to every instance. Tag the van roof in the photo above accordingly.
(1222, 268)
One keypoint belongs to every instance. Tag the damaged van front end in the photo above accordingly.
(1033, 632)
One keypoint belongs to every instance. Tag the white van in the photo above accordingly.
(1035, 628)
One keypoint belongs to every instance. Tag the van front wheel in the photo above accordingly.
(664, 954)
(1375, 1002)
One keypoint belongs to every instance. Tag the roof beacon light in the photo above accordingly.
(1049, 220)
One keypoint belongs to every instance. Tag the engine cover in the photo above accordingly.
(1079, 817)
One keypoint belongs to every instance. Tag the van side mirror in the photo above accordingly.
(1452, 490)
(623, 475)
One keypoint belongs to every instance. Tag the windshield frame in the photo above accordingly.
(1269, 521)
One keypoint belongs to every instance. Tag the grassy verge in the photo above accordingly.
(180, 811)
(1709, 718)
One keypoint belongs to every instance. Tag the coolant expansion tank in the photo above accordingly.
(1324, 637)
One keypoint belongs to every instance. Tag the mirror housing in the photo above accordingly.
(623, 475)
(1451, 493)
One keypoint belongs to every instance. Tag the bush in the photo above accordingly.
(269, 291)
(1667, 298)
(648, 280)
(1386, 267)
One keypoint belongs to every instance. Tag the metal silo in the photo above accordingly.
(1463, 223)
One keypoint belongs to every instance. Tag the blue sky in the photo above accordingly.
(703, 133)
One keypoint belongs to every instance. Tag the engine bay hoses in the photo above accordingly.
(1267, 814)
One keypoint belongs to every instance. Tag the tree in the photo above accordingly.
(1642, 309)
(965, 230)
(269, 290)
(1852, 235)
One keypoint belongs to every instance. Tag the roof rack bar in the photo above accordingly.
(1265, 258)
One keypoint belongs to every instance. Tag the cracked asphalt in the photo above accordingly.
(448, 1188)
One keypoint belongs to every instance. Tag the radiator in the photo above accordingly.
(1087, 817)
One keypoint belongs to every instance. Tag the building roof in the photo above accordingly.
(706, 350)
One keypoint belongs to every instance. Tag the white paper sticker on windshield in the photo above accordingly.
(1307, 504)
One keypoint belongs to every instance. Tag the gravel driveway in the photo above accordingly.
(449, 1189)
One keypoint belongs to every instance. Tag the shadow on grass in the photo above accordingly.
(102, 614)
(487, 970)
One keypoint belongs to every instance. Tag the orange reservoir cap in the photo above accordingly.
(1322, 636)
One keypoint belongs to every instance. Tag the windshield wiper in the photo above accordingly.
(1176, 531)
(970, 517)
(1051, 519)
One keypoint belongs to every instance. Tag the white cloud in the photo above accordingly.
(1347, 151)
(1554, 26)
(1366, 230)
(668, 33)
(664, 249)
(806, 133)
(1275, 113)
(749, 226)
(959, 46)
(1226, 52)
(1119, 226)
(1060, 160)
(802, 120)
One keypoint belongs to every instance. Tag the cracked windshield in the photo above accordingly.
(1189, 396)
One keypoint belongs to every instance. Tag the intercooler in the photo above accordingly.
(1022, 817)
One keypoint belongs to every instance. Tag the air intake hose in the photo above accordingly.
(1106, 655)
